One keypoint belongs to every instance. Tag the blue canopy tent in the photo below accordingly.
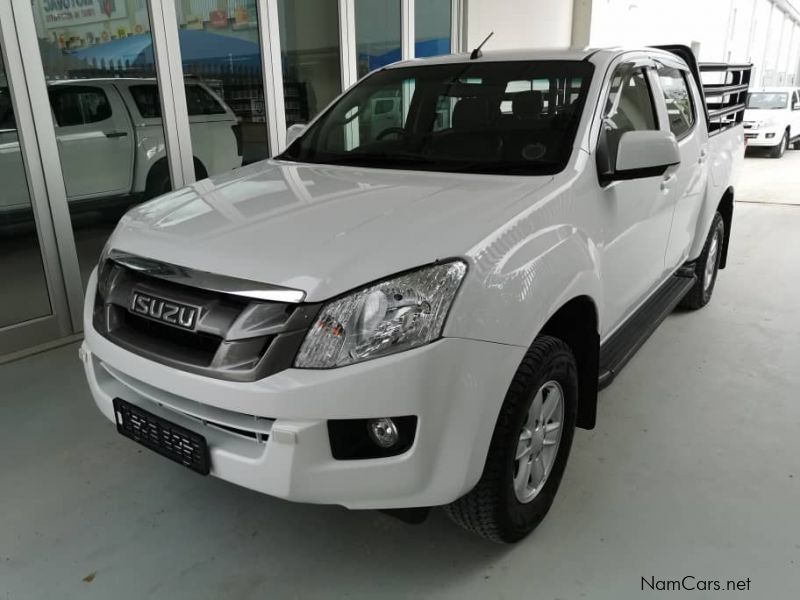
(431, 47)
(197, 47)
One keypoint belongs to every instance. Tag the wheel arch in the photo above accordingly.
(576, 324)
(725, 208)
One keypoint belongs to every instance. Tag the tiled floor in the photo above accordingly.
(693, 469)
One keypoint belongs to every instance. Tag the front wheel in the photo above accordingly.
(529, 447)
(706, 267)
(777, 151)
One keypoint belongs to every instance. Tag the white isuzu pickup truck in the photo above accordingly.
(420, 313)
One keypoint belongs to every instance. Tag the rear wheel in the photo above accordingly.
(529, 448)
(158, 181)
(777, 151)
(706, 267)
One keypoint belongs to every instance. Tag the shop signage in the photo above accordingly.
(63, 13)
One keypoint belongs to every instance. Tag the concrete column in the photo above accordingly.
(519, 23)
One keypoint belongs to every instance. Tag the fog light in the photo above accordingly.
(769, 136)
(383, 432)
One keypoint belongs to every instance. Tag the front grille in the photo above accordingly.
(234, 337)
(196, 348)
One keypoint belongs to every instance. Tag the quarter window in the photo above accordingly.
(79, 105)
(680, 109)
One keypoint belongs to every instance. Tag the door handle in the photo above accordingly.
(667, 181)
(115, 134)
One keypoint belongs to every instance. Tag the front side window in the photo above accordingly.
(79, 105)
(680, 109)
(505, 117)
(767, 100)
(629, 107)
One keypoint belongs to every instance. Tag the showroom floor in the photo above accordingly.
(692, 470)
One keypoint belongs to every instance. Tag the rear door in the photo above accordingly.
(95, 139)
(678, 92)
(213, 127)
(637, 212)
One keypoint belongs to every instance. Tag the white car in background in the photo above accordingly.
(772, 119)
(111, 140)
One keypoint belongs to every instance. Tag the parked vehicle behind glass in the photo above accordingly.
(772, 120)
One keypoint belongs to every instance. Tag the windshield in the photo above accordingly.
(493, 117)
(767, 100)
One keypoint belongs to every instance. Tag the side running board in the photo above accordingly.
(620, 347)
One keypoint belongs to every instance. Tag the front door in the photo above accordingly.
(95, 139)
(636, 212)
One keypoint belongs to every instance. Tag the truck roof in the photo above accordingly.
(568, 53)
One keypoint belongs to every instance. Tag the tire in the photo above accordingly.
(777, 151)
(158, 181)
(493, 508)
(706, 267)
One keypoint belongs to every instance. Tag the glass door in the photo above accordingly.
(32, 302)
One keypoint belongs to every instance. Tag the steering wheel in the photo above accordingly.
(389, 131)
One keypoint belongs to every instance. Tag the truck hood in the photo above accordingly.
(318, 228)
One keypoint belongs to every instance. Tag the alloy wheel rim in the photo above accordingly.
(539, 439)
(711, 262)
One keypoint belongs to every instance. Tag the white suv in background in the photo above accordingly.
(111, 139)
(772, 119)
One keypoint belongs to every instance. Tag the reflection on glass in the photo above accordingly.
(23, 289)
(98, 61)
(431, 28)
(312, 75)
(377, 34)
(225, 88)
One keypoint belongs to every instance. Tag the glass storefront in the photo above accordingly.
(377, 34)
(432, 24)
(23, 292)
(221, 59)
(100, 70)
(312, 72)
(111, 115)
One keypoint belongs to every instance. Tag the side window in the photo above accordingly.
(796, 101)
(680, 108)
(79, 105)
(200, 102)
(147, 101)
(630, 105)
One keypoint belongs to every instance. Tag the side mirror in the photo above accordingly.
(294, 131)
(644, 154)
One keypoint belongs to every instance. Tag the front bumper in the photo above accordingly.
(454, 387)
(758, 137)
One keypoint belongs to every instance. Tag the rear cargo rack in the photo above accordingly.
(725, 90)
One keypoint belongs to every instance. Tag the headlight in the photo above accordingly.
(398, 314)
